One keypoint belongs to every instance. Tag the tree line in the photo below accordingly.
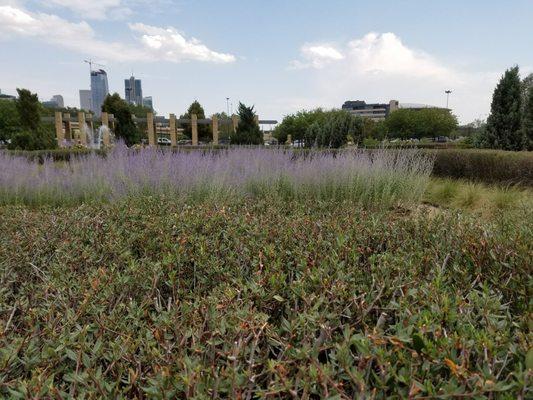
(336, 128)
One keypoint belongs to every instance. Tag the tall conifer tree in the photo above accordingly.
(504, 125)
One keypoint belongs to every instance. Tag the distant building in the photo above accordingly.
(374, 111)
(379, 111)
(148, 102)
(85, 100)
(99, 90)
(133, 91)
(6, 96)
(55, 102)
(59, 100)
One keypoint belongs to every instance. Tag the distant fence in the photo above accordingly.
(74, 129)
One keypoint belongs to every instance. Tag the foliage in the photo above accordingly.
(489, 166)
(374, 179)
(154, 298)
(140, 111)
(505, 121)
(125, 128)
(336, 128)
(41, 138)
(9, 119)
(247, 131)
(486, 201)
(204, 132)
(297, 125)
(224, 125)
(527, 122)
(28, 108)
(22, 123)
(427, 122)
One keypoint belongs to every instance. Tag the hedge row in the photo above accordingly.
(488, 166)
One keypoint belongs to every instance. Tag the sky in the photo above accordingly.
(279, 55)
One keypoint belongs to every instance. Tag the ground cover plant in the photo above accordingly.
(378, 178)
(150, 297)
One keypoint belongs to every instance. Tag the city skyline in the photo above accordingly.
(273, 57)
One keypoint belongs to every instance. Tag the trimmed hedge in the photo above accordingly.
(488, 166)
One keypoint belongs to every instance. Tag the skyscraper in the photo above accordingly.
(133, 91)
(148, 102)
(85, 100)
(99, 90)
(59, 100)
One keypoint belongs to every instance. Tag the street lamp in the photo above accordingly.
(447, 97)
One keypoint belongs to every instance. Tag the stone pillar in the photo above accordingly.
(214, 124)
(256, 119)
(235, 122)
(151, 133)
(289, 140)
(59, 128)
(68, 126)
(194, 129)
(106, 139)
(172, 126)
(81, 126)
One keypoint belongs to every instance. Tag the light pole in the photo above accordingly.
(447, 97)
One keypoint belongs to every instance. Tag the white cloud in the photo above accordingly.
(154, 44)
(94, 9)
(168, 44)
(380, 67)
(317, 56)
(386, 54)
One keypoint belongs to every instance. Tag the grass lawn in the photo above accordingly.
(152, 297)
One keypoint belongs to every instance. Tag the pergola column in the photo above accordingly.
(81, 126)
(172, 127)
(235, 122)
(214, 125)
(151, 133)
(106, 139)
(194, 129)
(59, 128)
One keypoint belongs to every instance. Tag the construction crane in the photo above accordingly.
(91, 63)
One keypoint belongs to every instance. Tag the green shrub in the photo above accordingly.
(489, 166)
(153, 298)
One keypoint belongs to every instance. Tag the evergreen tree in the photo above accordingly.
(204, 132)
(32, 134)
(505, 120)
(124, 126)
(248, 131)
(527, 126)
(28, 108)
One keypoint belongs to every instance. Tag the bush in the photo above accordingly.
(39, 139)
(153, 298)
(489, 166)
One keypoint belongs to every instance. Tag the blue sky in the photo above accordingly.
(281, 56)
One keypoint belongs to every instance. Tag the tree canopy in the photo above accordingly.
(204, 133)
(32, 134)
(125, 128)
(504, 125)
(248, 131)
(9, 119)
(427, 122)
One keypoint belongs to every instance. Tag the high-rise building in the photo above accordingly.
(148, 102)
(85, 100)
(133, 91)
(99, 90)
(58, 100)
